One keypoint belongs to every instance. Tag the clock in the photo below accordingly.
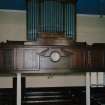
(55, 56)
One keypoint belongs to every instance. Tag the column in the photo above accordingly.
(18, 88)
(87, 88)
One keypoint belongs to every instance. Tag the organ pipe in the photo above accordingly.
(50, 16)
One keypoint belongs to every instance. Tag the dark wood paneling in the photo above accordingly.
(7, 96)
(54, 96)
(36, 57)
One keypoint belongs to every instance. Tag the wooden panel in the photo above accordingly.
(31, 59)
(19, 58)
(28, 59)
(36, 57)
(1, 58)
(97, 59)
(80, 59)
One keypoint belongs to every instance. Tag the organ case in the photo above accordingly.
(51, 54)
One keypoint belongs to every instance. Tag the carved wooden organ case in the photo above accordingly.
(51, 45)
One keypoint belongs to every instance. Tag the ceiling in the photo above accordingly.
(83, 6)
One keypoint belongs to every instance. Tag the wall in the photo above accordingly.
(13, 27)
(56, 81)
(91, 28)
(6, 82)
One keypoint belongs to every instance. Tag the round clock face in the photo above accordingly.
(55, 56)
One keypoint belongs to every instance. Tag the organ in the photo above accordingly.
(51, 45)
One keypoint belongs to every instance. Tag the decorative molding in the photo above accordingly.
(16, 11)
(90, 15)
(24, 11)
